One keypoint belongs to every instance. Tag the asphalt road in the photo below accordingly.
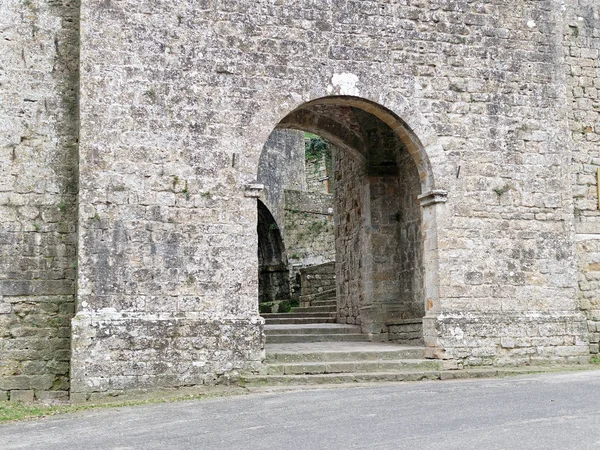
(551, 411)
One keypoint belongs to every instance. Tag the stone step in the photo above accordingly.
(357, 366)
(320, 328)
(296, 320)
(324, 292)
(323, 295)
(292, 315)
(303, 338)
(330, 302)
(382, 377)
(340, 351)
(314, 309)
(338, 378)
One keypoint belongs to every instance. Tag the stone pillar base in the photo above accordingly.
(115, 353)
(508, 338)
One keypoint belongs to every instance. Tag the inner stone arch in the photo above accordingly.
(379, 172)
(272, 259)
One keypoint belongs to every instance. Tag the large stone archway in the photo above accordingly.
(385, 241)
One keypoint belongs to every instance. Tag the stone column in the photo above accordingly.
(430, 203)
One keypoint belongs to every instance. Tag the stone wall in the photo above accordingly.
(318, 176)
(405, 331)
(515, 339)
(582, 57)
(411, 298)
(167, 228)
(317, 283)
(350, 209)
(380, 241)
(281, 167)
(160, 350)
(506, 254)
(176, 103)
(309, 228)
(38, 188)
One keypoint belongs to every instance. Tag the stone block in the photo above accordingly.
(41, 382)
(17, 382)
(574, 350)
(5, 306)
(22, 395)
(52, 395)
(78, 398)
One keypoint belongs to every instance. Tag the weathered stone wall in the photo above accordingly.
(281, 167)
(160, 350)
(38, 187)
(318, 282)
(411, 298)
(309, 228)
(405, 331)
(167, 231)
(506, 256)
(516, 339)
(318, 176)
(382, 254)
(350, 208)
(582, 55)
(379, 238)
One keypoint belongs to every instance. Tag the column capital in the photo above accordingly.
(253, 190)
(433, 196)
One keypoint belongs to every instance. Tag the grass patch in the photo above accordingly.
(15, 411)
(10, 411)
(595, 359)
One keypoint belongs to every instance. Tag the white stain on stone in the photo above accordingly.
(297, 98)
(346, 83)
(531, 23)
(458, 333)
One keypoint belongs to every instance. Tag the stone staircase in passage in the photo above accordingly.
(306, 346)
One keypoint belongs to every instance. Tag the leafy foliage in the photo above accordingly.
(316, 148)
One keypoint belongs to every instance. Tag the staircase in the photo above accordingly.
(320, 311)
(306, 346)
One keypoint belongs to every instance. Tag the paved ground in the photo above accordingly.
(551, 411)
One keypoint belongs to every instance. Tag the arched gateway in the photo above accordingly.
(384, 237)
